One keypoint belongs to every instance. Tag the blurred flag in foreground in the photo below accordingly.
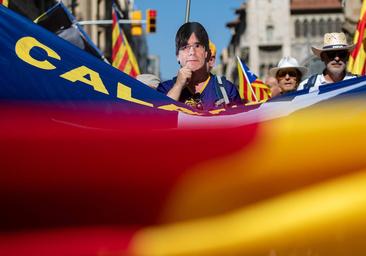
(251, 89)
(123, 57)
(60, 21)
(4, 2)
(356, 63)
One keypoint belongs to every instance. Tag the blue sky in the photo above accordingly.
(212, 14)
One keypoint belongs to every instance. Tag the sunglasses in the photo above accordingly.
(340, 54)
(290, 73)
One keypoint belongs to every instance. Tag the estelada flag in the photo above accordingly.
(356, 63)
(251, 89)
(123, 57)
(4, 2)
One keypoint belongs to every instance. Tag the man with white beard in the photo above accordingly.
(334, 54)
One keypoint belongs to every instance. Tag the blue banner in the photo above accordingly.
(36, 65)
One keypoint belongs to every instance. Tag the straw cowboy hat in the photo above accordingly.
(333, 42)
(285, 63)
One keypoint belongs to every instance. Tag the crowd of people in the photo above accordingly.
(197, 87)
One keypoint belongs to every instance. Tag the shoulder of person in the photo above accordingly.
(312, 79)
(224, 80)
(302, 84)
(165, 86)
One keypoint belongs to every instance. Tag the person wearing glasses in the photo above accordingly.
(194, 85)
(334, 53)
(288, 74)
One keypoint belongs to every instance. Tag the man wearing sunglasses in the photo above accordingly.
(194, 84)
(334, 54)
(288, 74)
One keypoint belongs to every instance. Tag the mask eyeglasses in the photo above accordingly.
(195, 46)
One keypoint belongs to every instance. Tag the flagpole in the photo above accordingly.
(188, 7)
(246, 77)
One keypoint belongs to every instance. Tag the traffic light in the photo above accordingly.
(150, 21)
(136, 27)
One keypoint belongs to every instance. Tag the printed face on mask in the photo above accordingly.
(192, 55)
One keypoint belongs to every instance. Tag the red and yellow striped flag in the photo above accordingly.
(251, 89)
(123, 57)
(356, 63)
(4, 2)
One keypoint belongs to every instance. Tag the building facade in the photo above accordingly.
(267, 30)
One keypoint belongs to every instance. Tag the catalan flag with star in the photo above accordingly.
(123, 57)
(4, 2)
(251, 89)
(357, 59)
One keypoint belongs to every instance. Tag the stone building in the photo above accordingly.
(266, 30)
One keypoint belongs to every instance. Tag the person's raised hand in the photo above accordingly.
(184, 76)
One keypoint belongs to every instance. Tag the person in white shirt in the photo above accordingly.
(334, 54)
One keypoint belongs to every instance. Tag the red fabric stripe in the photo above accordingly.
(245, 88)
(133, 72)
(122, 65)
(361, 30)
(261, 94)
(116, 47)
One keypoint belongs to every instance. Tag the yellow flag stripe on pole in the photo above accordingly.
(356, 63)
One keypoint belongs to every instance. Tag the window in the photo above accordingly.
(322, 28)
(305, 28)
(313, 28)
(269, 32)
(297, 29)
(338, 25)
(329, 25)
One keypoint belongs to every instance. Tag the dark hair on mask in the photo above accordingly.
(185, 32)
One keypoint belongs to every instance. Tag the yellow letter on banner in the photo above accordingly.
(124, 92)
(80, 73)
(26, 44)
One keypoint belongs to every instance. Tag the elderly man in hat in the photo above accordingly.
(334, 54)
(288, 74)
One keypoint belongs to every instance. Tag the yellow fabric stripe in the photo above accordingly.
(127, 68)
(359, 62)
(118, 58)
(355, 65)
(273, 213)
(115, 34)
(131, 55)
(241, 82)
(327, 218)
